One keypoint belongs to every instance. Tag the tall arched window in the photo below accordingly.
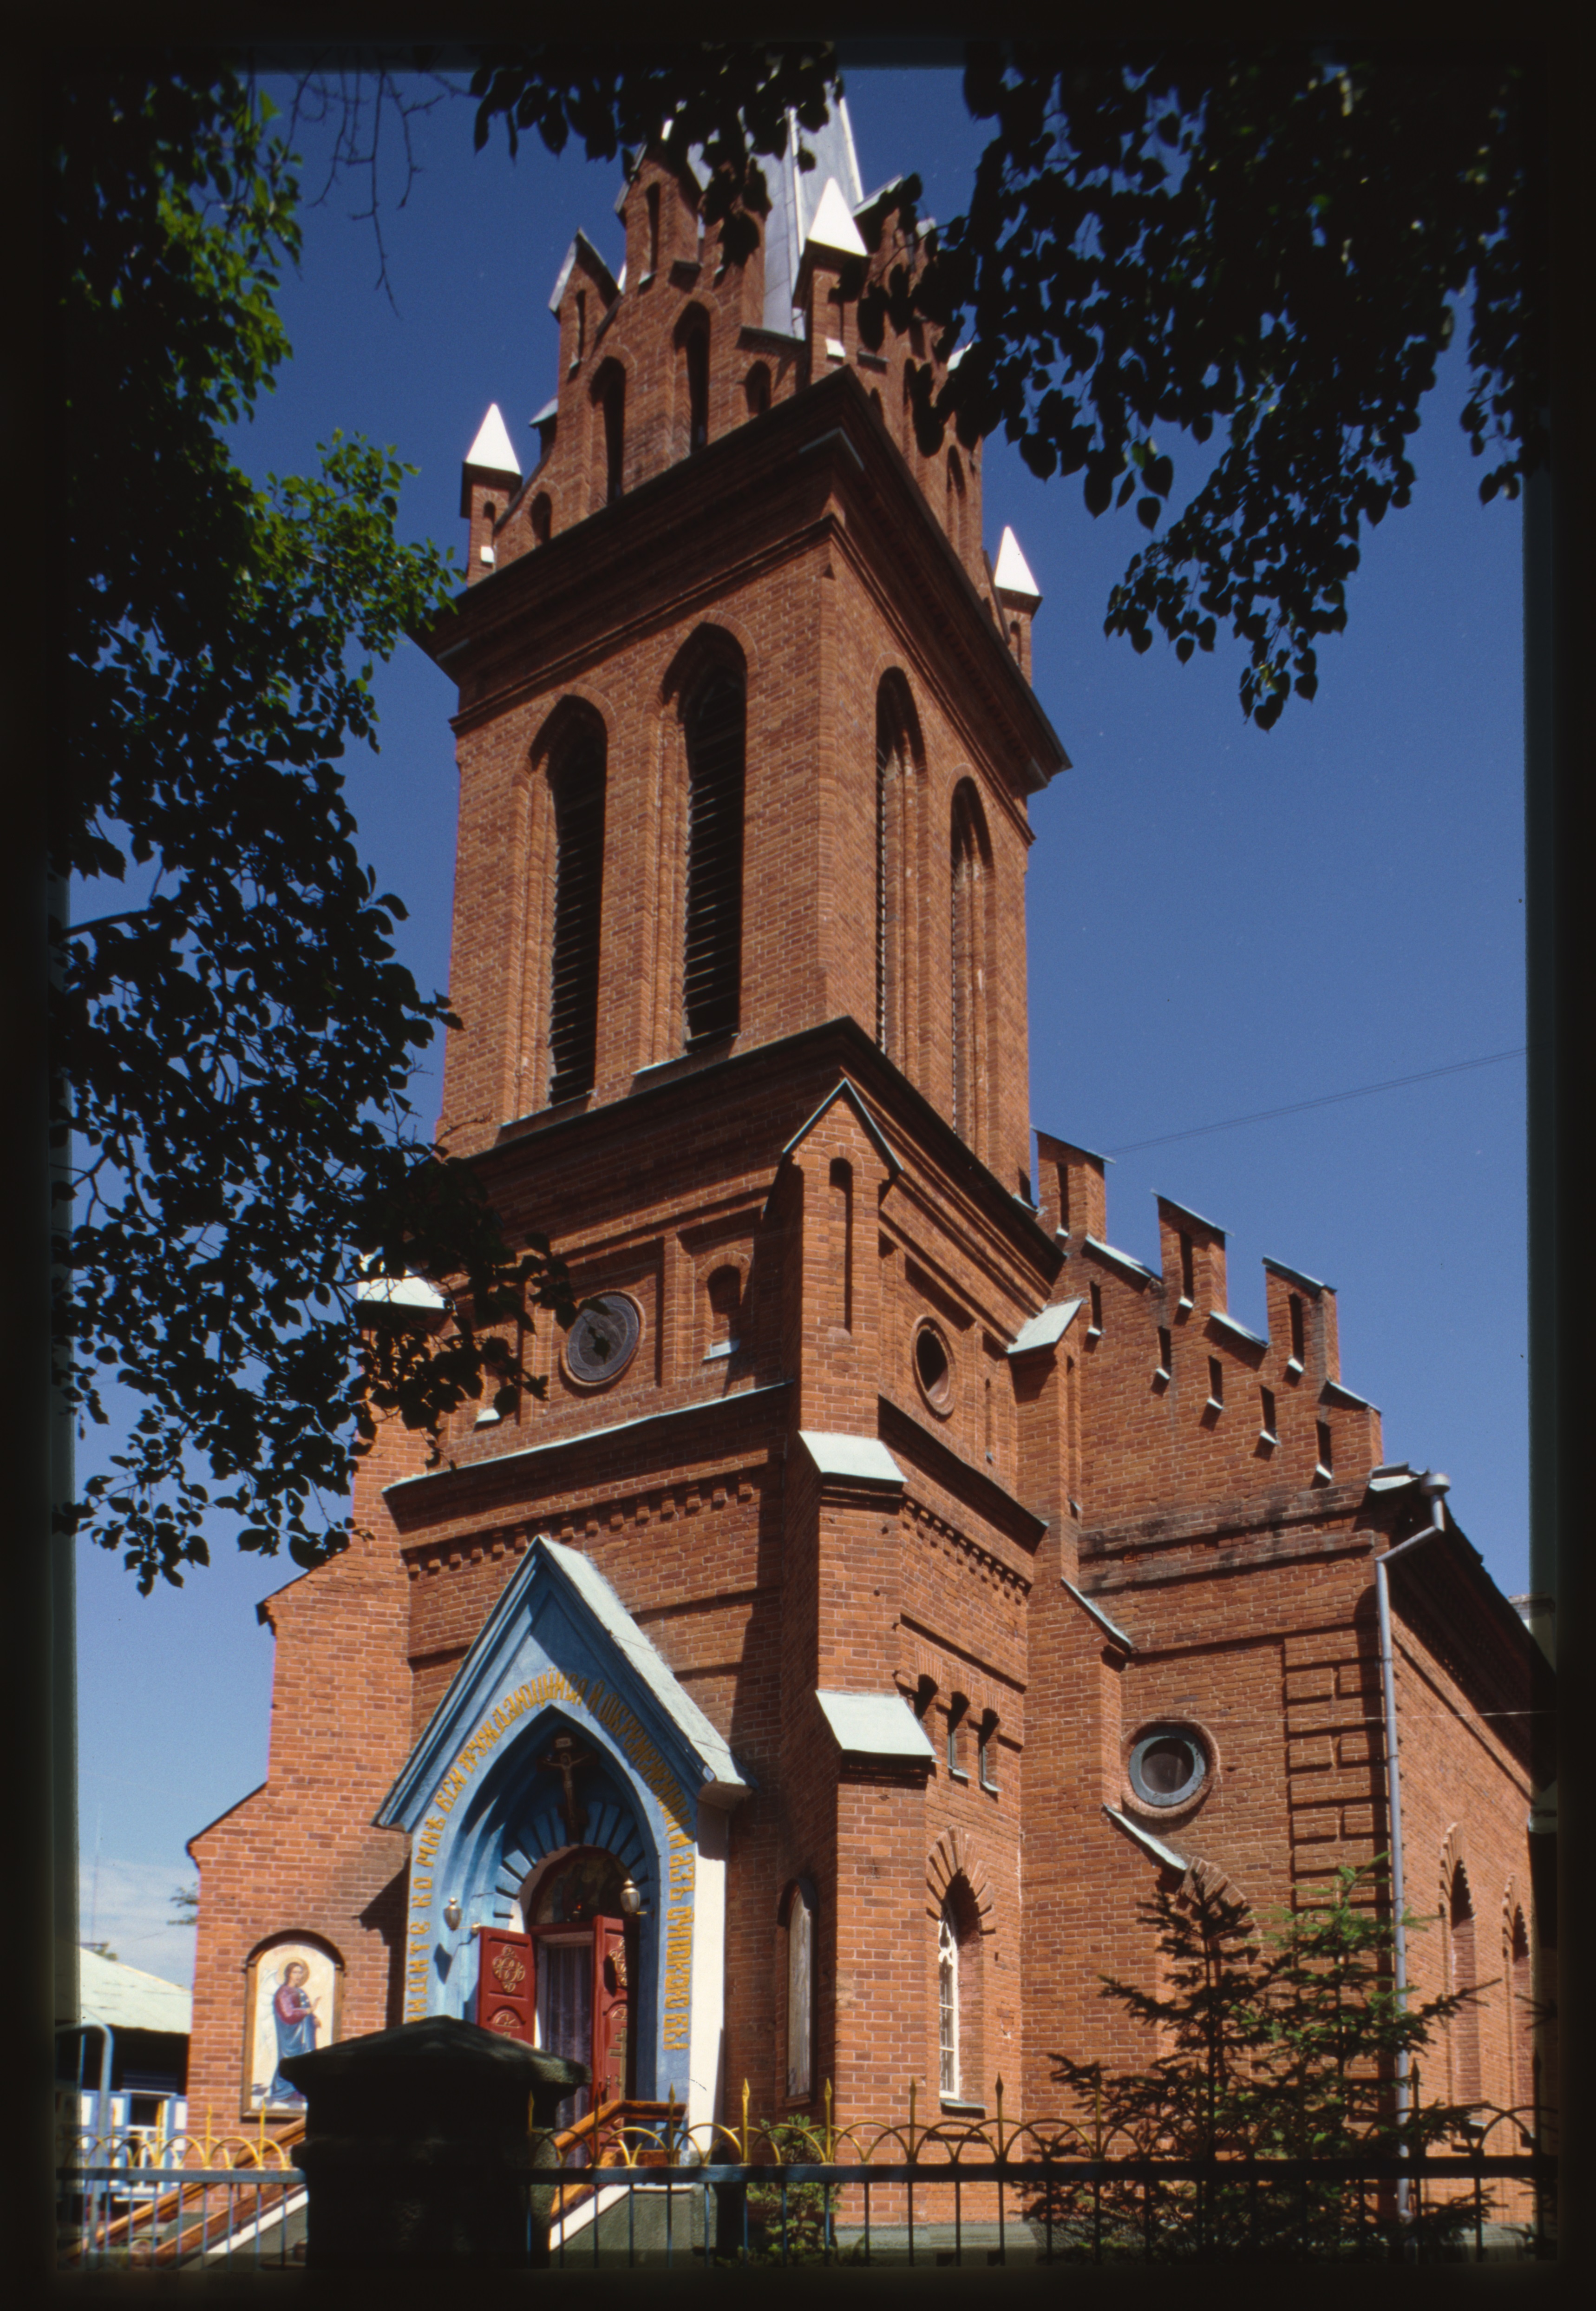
(956, 501)
(1521, 2009)
(695, 353)
(947, 2003)
(800, 1991)
(841, 1219)
(897, 757)
(609, 391)
(970, 866)
(576, 785)
(1465, 1976)
(712, 958)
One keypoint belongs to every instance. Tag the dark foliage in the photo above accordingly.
(1270, 247)
(232, 1046)
(1274, 2044)
(727, 101)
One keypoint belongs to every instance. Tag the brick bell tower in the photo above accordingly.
(895, 1581)
(745, 744)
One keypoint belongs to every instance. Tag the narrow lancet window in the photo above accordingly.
(947, 2003)
(611, 397)
(896, 764)
(800, 1993)
(696, 352)
(713, 954)
(971, 864)
(576, 782)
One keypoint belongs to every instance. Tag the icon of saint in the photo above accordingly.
(294, 2017)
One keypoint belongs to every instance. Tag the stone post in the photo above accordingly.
(421, 2143)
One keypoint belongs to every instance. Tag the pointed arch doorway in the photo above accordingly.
(563, 1983)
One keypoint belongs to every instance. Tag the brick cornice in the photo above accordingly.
(980, 1492)
(1327, 1506)
(744, 1078)
(625, 1445)
(817, 466)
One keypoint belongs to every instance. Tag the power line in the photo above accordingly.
(1329, 1098)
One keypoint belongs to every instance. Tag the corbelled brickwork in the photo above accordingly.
(894, 1429)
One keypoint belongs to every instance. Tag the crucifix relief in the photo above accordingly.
(563, 1758)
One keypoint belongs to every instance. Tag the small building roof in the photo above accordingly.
(1168, 1206)
(875, 1725)
(859, 1456)
(1046, 1328)
(492, 448)
(1099, 1616)
(1013, 573)
(795, 196)
(1145, 1838)
(1295, 1275)
(647, 1664)
(1234, 1324)
(400, 1291)
(604, 280)
(1131, 1265)
(126, 1998)
(832, 226)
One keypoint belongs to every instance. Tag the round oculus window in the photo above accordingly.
(933, 1367)
(1168, 1766)
(603, 1340)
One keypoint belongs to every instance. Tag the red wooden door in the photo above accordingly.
(506, 1983)
(612, 2003)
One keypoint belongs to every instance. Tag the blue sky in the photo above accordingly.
(1221, 921)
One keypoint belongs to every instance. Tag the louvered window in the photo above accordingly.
(697, 354)
(578, 785)
(610, 396)
(897, 759)
(713, 956)
(967, 973)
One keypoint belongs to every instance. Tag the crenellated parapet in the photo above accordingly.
(1197, 1406)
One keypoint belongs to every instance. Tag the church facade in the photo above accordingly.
(895, 1581)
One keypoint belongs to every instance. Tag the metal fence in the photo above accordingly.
(121, 2218)
(637, 2188)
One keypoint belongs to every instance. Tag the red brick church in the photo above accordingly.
(896, 1583)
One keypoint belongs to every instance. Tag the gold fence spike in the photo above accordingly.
(830, 2132)
(744, 2121)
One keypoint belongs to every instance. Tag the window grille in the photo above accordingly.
(578, 783)
(712, 962)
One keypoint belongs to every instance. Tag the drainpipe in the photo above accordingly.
(1436, 1486)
